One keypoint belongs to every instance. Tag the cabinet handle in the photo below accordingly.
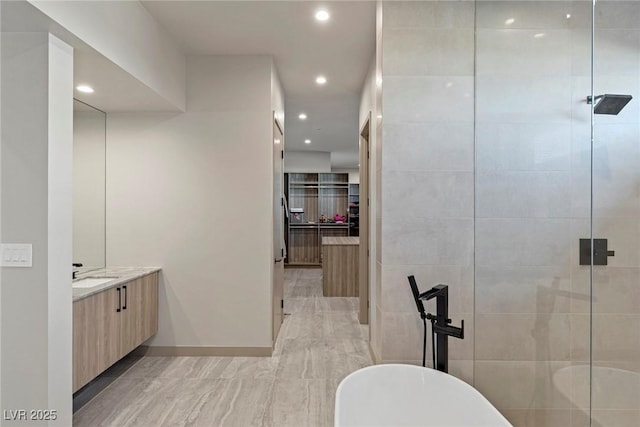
(119, 300)
(124, 306)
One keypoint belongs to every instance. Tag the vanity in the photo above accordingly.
(114, 311)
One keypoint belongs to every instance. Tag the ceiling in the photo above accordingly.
(115, 89)
(303, 48)
(340, 49)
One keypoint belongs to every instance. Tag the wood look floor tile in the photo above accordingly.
(338, 304)
(297, 403)
(327, 358)
(237, 402)
(299, 304)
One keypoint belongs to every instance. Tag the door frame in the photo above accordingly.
(364, 189)
(277, 289)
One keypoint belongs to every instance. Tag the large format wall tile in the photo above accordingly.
(615, 337)
(609, 285)
(523, 194)
(522, 242)
(528, 14)
(403, 337)
(396, 292)
(429, 147)
(538, 417)
(523, 147)
(428, 52)
(523, 289)
(533, 53)
(514, 99)
(428, 241)
(540, 336)
(428, 14)
(428, 194)
(520, 384)
(442, 99)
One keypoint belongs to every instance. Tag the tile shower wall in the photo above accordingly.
(532, 205)
(426, 172)
(515, 269)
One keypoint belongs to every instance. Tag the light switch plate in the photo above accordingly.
(16, 255)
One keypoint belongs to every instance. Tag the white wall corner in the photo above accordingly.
(60, 229)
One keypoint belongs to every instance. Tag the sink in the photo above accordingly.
(90, 282)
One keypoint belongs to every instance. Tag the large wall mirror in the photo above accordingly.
(89, 144)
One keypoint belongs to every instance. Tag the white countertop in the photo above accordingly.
(121, 275)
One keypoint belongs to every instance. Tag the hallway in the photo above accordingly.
(320, 343)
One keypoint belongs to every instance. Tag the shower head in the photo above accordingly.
(609, 104)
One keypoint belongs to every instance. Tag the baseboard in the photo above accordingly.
(144, 350)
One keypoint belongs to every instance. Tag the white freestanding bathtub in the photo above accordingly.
(408, 395)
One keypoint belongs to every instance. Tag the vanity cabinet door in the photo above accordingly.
(111, 323)
(96, 336)
(130, 316)
(140, 318)
(149, 307)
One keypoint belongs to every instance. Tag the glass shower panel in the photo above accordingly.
(615, 350)
(533, 133)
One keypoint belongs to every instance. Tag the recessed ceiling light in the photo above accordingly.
(84, 89)
(302, 116)
(322, 15)
(277, 141)
(509, 21)
(307, 141)
(539, 35)
(568, 16)
(321, 80)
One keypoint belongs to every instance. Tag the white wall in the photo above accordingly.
(277, 95)
(192, 193)
(37, 136)
(125, 33)
(307, 161)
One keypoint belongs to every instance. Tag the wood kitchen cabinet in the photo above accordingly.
(310, 195)
(111, 323)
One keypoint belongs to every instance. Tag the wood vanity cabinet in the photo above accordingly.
(111, 323)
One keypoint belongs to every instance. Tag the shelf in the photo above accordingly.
(317, 194)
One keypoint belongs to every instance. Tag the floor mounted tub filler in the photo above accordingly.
(408, 395)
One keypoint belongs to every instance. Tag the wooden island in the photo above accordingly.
(340, 264)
